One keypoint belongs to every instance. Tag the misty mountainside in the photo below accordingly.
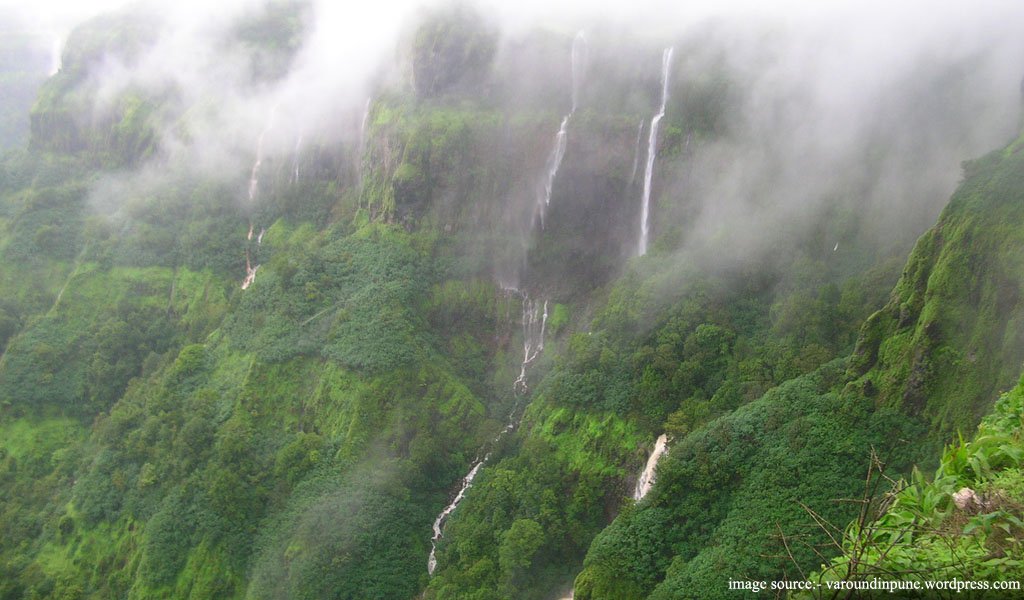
(279, 323)
(27, 57)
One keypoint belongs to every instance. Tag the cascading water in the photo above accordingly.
(646, 481)
(579, 49)
(56, 45)
(295, 160)
(254, 188)
(535, 320)
(534, 323)
(535, 312)
(467, 482)
(554, 161)
(652, 148)
(363, 125)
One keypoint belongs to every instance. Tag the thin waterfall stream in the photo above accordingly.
(652, 150)
(534, 311)
(648, 476)
(254, 188)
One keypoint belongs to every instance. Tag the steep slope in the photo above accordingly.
(267, 376)
(950, 337)
(931, 360)
(965, 524)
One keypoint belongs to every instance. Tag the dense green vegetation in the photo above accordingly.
(965, 523)
(164, 433)
(949, 338)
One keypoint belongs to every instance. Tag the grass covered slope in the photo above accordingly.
(167, 434)
(966, 523)
(728, 494)
(952, 334)
(228, 455)
(646, 362)
(928, 363)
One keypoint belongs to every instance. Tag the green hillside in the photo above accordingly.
(266, 376)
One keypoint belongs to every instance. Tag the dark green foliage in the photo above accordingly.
(949, 338)
(47, 224)
(168, 539)
(97, 495)
(167, 434)
(966, 523)
(80, 358)
(352, 301)
(345, 538)
(728, 492)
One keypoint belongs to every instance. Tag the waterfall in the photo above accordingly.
(254, 174)
(647, 478)
(534, 323)
(652, 148)
(554, 161)
(558, 151)
(250, 273)
(361, 149)
(363, 125)
(467, 482)
(56, 46)
(535, 320)
(295, 160)
(535, 312)
(254, 189)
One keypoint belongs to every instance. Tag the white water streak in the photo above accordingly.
(652, 148)
(554, 161)
(254, 188)
(535, 312)
(467, 482)
(533, 338)
(250, 274)
(361, 150)
(295, 160)
(647, 478)
(254, 175)
(534, 323)
(579, 51)
(56, 48)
